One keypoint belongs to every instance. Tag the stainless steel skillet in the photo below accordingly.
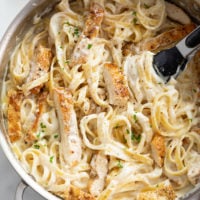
(15, 32)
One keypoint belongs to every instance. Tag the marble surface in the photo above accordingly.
(9, 178)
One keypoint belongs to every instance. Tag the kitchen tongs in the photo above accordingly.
(170, 62)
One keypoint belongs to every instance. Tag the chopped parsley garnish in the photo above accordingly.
(146, 6)
(134, 13)
(38, 135)
(56, 136)
(42, 125)
(119, 164)
(190, 120)
(36, 146)
(51, 159)
(67, 61)
(135, 20)
(89, 46)
(76, 32)
(194, 90)
(135, 117)
(134, 137)
(68, 23)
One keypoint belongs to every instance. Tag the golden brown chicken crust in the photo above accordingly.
(167, 38)
(162, 192)
(70, 139)
(74, 193)
(93, 21)
(90, 31)
(158, 149)
(116, 84)
(65, 102)
(44, 58)
(14, 123)
(43, 61)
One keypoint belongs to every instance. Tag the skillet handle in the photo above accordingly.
(20, 190)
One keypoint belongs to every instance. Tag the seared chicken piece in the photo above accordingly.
(14, 123)
(93, 21)
(99, 165)
(177, 14)
(128, 48)
(168, 38)
(70, 140)
(74, 193)
(30, 137)
(158, 149)
(160, 193)
(116, 85)
(91, 30)
(41, 67)
(194, 171)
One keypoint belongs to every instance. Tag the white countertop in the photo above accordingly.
(9, 178)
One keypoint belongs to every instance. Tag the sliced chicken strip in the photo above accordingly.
(31, 136)
(14, 123)
(165, 192)
(70, 140)
(99, 165)
(158, 149)
(93, 21)
(91, 30)
(168, 38)
(177, 14)
(116, 85)
(41, 67)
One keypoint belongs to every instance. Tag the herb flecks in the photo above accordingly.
(134, 13)
(135, 20)
(146, 6)
(42, 125)
(36, 146)
(194, 90)
(51, 159)
(56, 136)
(135, 117)
(38, 135)
(67, 61)
(89, 46)
(76, 32)
(134, 137)
(119, 164)
(67, 23)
